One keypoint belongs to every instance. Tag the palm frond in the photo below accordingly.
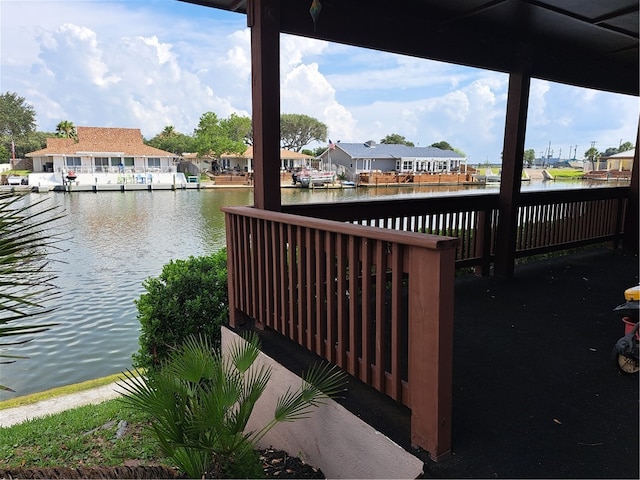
(322, 381)
(23, 330)
(27, 237)
(255, 383)
(242, 354)
(193, 361)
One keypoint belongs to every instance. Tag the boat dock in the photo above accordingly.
(109, 181)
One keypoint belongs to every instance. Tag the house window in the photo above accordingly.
(115, 161)
(128, 161)
(153, 162)
(101, 164)
(72, 162)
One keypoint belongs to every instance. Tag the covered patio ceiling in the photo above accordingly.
(592, 44)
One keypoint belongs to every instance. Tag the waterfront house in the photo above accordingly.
(621, 162)
(101, 149)
(615, 167)
(349, 159)
(289, 160)
(102, 156)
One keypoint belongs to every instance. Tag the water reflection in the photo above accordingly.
(115, 241)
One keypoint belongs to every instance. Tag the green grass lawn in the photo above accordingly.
(22, 173)
(82, 437)
(566, 173)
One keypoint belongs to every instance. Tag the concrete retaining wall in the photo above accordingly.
(333, 439)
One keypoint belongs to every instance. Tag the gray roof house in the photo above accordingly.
(353, 158)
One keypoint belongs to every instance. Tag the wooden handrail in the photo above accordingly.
(435, 242)
(376, 302)
(474, 218)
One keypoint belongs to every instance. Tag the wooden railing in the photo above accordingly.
(558, 220)
(369, 285)
(547, 220)
(470, 218)
(374, 301)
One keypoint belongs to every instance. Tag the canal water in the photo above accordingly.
(117, 240)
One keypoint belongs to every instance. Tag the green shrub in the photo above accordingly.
(201, 402)
(189, 297)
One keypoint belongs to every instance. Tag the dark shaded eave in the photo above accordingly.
(593, 45)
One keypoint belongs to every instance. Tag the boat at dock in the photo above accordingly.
(90, 180)
(311, 178)
(491, 177)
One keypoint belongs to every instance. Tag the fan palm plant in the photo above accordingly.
(201, 401)
(26, 239)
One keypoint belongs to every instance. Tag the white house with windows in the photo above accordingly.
(354, 158)
(244, 163)
(288, 160)
(101, 149)
(101, 155)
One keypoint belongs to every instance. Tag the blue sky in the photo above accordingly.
(149, 64)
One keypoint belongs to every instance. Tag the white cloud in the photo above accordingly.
(470, 118)
(152, 64)
(163, 50)
(293, 50)
(536, 114)
(566, 118)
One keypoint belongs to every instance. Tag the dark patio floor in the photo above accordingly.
(535, 393)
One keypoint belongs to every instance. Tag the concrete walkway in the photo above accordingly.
(12, 416)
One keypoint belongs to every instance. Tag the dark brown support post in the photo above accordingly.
(431, 292)
(263, 17)
(512, 160)
(630, 240)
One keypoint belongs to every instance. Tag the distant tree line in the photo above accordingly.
(591, 154)
(212, 137)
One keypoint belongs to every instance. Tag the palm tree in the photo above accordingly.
(66, 129)
(201, 401)
(26, 240)
(168, 131)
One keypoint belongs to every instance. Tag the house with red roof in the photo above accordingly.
(109, 158)
(102, 150)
